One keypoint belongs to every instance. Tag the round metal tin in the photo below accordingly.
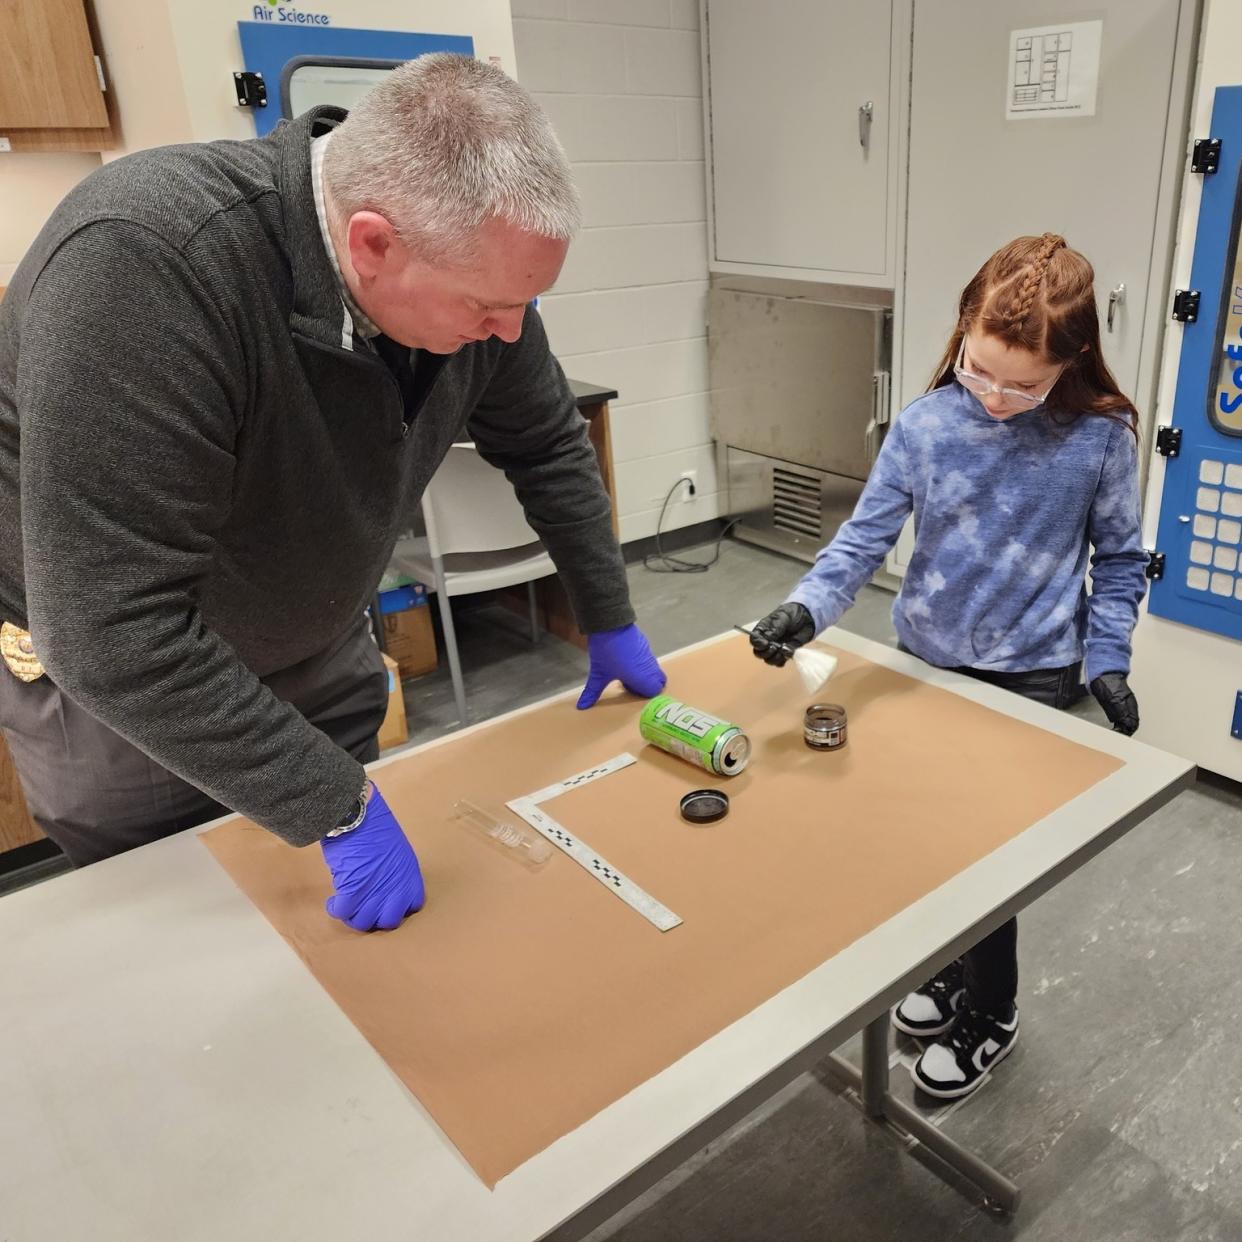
(704, 806)
(824, 727)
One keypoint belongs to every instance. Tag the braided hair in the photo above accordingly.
(1037, 294)
(1023, 290)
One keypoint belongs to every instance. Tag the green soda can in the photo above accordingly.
(696, 736)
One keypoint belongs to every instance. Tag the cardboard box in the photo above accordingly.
(393, 731)
(409, 636)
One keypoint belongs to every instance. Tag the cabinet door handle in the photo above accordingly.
(865, 112)
(873, 433)
(1115, 299)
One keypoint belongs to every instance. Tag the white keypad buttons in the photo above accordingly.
(1215, 553)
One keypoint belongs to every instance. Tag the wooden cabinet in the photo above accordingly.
(16, 826)
(50, 93)
(804, 99)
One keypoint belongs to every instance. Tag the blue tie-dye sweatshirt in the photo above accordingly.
(1003, 516)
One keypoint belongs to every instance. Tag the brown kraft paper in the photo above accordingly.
(519, 1003)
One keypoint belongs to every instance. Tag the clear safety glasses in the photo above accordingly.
(981, 387)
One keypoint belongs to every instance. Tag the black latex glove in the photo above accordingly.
(784, 629)
(1114, 695)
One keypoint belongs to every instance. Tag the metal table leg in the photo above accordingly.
(874, 1092)
(868, 1090)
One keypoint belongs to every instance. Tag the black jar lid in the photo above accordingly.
(704, 806)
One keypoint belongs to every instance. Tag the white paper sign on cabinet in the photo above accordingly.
(1054, 71)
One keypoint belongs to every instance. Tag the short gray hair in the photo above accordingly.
(443, 144)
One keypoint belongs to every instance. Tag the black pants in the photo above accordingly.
(991, 967)
(95, 795)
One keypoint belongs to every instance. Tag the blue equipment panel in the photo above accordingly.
(1200, 530)
(268, 46)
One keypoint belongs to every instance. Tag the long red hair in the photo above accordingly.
(1039, 295)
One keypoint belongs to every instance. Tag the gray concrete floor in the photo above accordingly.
(1119, 1111)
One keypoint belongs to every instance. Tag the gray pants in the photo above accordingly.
(96, 795)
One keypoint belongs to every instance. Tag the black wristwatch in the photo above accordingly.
(356, 816)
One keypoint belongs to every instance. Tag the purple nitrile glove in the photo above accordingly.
(622, 655)
(374, 871)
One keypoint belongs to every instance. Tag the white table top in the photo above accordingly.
(169, 1069)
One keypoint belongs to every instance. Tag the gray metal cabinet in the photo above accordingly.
(977, 180)
(799, 399)
(1108, 182)
(802, 101)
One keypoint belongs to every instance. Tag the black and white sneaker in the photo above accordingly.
(932, 1010)
(955, 1065)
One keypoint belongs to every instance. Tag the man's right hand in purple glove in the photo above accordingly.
(622, 655)
(374, 870)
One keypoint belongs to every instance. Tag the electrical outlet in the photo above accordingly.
(679, 493)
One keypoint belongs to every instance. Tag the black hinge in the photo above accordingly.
(1186, 305)
(251, 90)
(1205, 157)
(1155, 566)
(1168, 441)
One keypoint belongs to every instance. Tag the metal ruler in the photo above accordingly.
(615, 881)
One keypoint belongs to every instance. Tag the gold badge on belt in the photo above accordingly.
(17, 647)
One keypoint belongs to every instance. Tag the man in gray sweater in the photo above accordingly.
(227, 372)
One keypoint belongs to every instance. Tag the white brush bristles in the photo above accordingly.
(815, 667)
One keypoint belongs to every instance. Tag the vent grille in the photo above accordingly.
(797, 503)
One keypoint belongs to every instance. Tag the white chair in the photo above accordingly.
(477, 539)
